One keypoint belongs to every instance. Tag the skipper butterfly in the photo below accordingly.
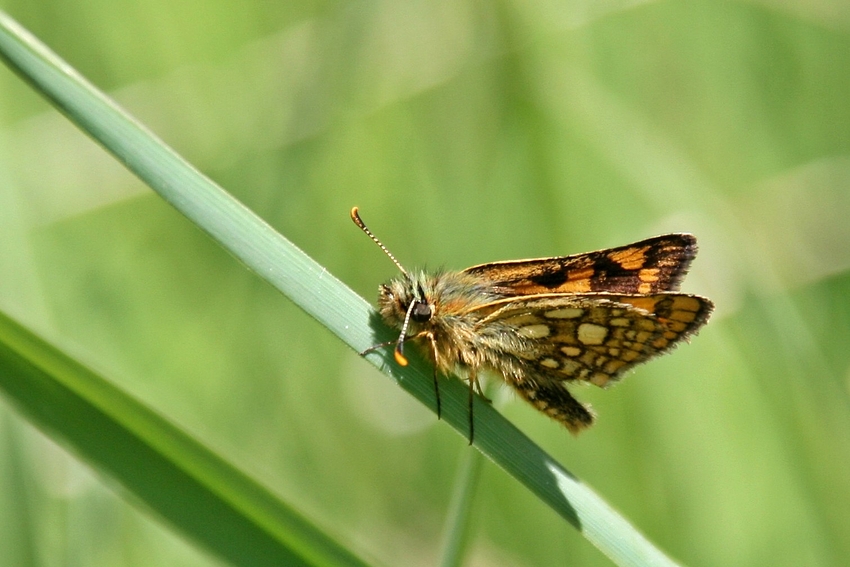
(543, 323)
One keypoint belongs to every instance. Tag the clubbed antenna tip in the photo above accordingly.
(355, 216)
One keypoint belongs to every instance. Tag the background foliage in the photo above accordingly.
(467, 132)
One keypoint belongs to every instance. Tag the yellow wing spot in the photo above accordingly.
(565, 313)
(592, 334)
(630, 258)
(646, 303)
(619, 322)
(549, 363)
(643, 336)
(644, 288)
(571, 350)
(538, 331)
(649, 275)
(686, 303)
(569, 367)
(581, 274)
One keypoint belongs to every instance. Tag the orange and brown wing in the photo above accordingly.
(650, 266)
(594, 337)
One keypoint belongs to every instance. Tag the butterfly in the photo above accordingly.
(543, 323)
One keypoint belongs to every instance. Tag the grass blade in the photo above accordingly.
(170, 472)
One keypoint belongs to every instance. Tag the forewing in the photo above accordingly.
(594, 337)
(650, 266)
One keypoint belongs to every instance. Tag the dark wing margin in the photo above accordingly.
(654, 265)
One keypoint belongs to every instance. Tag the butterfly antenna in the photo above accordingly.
(355, 216)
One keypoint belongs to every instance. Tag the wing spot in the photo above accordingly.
(549, 363)
(649, 275)
(537, 331)
(643, 337)
(630, 258)
(521, 320)
(581, 274)
(571, 350)
(648, 304)
(565, 313)
(686, 303)
(619, 322)
(592, 334)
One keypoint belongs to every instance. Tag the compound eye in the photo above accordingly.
(421, 312)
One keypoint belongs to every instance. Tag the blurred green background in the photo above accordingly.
(467, 132)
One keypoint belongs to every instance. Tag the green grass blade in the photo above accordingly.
(321, 295)
(172, 473)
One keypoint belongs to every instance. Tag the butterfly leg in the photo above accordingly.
(385, 344)
(434, 352)
(376, 347)
(474, 385)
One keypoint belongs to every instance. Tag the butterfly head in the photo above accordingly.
(404, 298)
